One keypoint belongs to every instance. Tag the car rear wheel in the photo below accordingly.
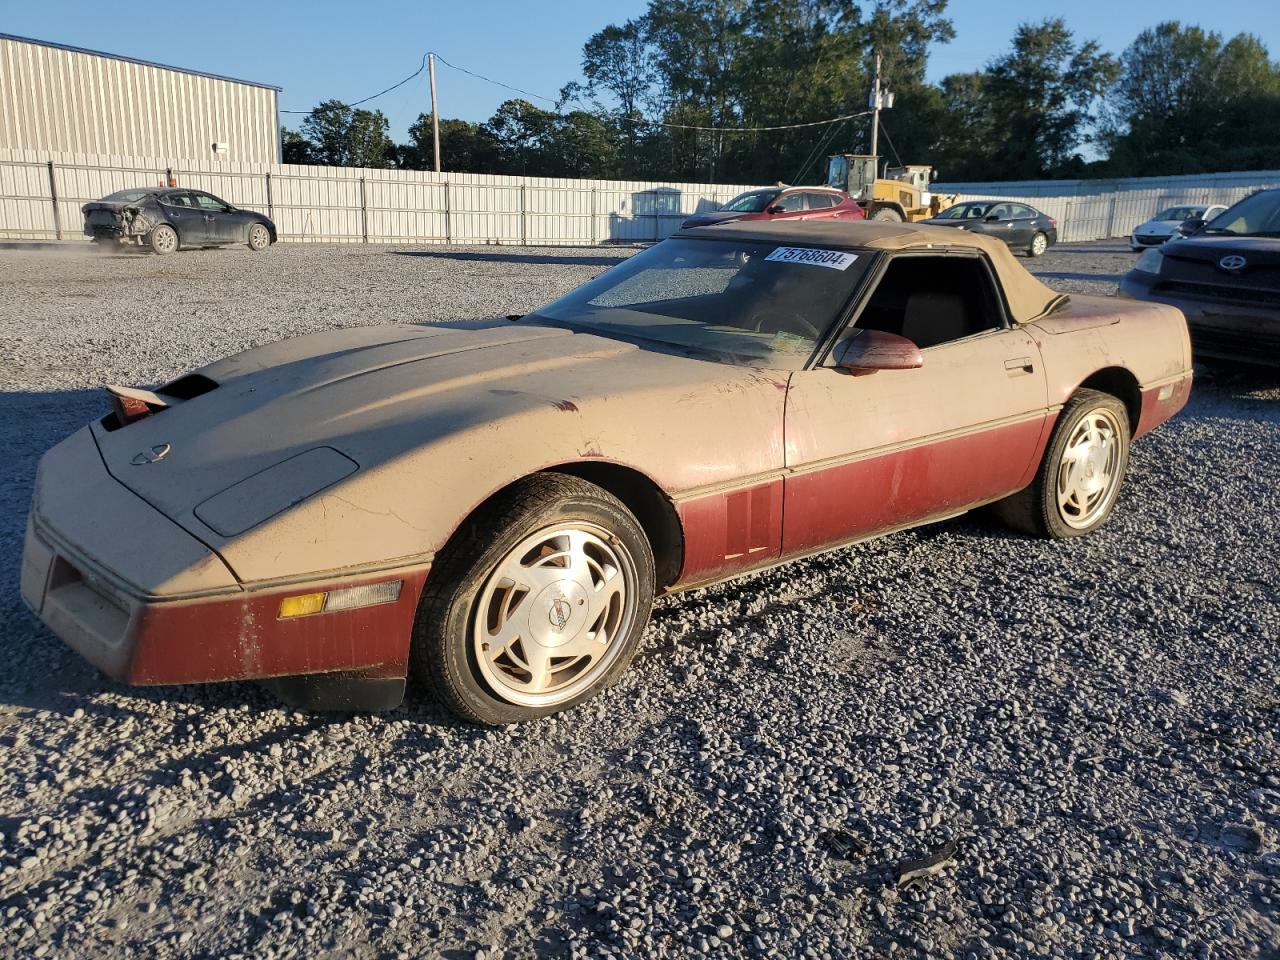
(887, 215)
(536, 604)
(163, 239)
(1080, 477)
(259, 237)
(1039, 244)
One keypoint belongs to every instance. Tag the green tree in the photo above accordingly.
(464, 147)
(1186, 102)
(1043, 95)
(294, 147)
(343, 137)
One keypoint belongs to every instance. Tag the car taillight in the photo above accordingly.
(1053, 222)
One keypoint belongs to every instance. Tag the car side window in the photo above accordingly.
(790, 202)
(1002, 211)
(933, 300)
(206, 202)
(1021, 212)
(822, 201)
(177, 200)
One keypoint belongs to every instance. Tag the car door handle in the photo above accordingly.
(1019, 366)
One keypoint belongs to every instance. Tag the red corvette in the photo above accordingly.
(782, 203)
(498, 508)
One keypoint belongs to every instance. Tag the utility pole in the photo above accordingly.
(435, 112)
(875, 114)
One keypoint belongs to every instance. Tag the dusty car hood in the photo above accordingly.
(433, 404)
(332, 389)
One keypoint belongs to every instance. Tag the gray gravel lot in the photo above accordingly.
(1095, 724)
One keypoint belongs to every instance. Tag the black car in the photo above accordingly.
(1226, 279)
(167, 218)
(1020, 226)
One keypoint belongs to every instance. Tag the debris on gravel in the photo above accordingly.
(1091, 726)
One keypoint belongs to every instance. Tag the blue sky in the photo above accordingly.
(322, 49)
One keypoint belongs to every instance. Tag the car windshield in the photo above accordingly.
(1254, 216)
(752, 202)
(1179, 213)
(745, 302)
(126, 196)
(964, 211)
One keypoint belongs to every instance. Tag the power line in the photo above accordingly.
(498, 83)
(891, 146)
(618, 117)
(375, 96)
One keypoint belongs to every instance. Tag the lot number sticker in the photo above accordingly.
(832, 259)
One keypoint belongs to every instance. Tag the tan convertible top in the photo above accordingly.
(1028, 298)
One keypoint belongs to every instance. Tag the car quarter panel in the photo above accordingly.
(1092, 334)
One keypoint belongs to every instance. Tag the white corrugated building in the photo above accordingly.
(65, 99)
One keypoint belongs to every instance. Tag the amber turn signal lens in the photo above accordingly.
(302, 606)
(350, 598)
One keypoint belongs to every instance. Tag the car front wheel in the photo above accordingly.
(536, 604)
(163, 239)
(1079, 479)
(259, 237)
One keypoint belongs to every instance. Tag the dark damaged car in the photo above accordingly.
(1226, 279)
(171, 218)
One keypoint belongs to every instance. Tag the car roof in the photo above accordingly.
(1027, 297)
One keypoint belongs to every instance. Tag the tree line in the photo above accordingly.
(1178, 100)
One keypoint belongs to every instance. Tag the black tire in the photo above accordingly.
(443, 652)
(163, 239)
(258, 237)
(886, 215)
(1038, 245)
(1036, 509)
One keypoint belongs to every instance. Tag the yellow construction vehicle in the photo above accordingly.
(901, 195)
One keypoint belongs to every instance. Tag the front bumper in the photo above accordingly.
(147, 603)
(1139, 241)
(1220, 329)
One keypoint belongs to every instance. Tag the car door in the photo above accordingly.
(223, 223)
(997, 222)
(185, 217)
(873, 452)
(789, 206)
(1023, 225)
(821, 206)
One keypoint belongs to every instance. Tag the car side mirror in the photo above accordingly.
(773, 209)
(1191, 225)
(990, 218)
(868, 350)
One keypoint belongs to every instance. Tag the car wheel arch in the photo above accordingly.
(639, 492)
(1121, 384)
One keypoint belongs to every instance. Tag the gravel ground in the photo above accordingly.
(1094, 724)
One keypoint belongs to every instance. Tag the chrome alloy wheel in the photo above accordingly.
(1089, 471)
(165, 240)
(259, 238)
(550, 618)
(1039, 244)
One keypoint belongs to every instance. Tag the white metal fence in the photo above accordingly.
(41, 196)
(1102, 209)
